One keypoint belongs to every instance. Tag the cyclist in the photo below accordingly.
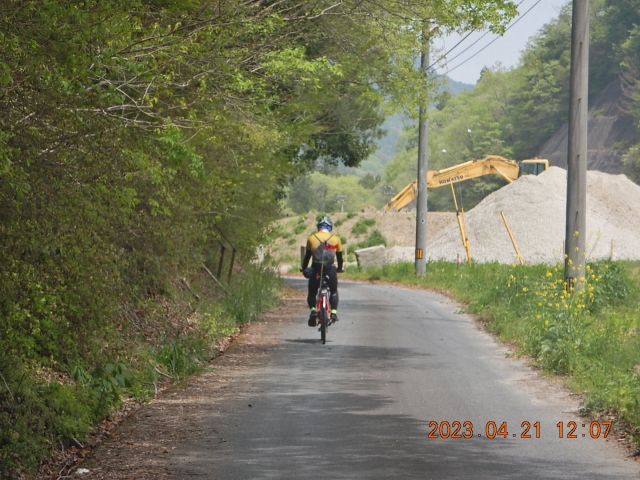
(323, 247)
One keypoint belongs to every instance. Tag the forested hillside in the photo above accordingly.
(137, 138)
(514, 112)
(324, 186)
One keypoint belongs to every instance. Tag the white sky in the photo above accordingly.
(505, 50)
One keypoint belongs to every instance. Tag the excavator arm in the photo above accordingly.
(490, 165)
(493, 164)
(403, 198)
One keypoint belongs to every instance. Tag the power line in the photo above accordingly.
(477, 40)
(454, 47)
(444, 55)
(487, 45)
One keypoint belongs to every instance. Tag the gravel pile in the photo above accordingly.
(535, 208)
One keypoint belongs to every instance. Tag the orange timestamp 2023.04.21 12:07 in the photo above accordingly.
(527, 429)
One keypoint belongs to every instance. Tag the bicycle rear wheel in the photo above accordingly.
(324, 320)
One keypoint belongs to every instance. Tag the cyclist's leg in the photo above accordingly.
(333, 288)
(312, 291)
(314, 283)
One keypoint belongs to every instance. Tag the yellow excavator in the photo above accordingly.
(509, 170)
(490, 165)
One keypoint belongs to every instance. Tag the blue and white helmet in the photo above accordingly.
(325, 223)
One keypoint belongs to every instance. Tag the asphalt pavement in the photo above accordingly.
(372, 403)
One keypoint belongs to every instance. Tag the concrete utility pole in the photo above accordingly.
(341, 198)
(576, 222)
(423, 157)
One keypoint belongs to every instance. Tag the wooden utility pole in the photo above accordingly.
(423, 158)
(576, 221)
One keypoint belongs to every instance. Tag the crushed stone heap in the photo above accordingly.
(535, 208)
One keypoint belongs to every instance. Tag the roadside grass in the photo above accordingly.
(590, 338)
(171, 338)
(374, 238)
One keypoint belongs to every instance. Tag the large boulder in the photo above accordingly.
(371, 257)
(400, 254)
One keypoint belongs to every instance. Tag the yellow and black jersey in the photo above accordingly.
(323, 247)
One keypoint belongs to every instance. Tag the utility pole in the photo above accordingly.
(389, 191)
(576, 221)
(423, 157)
(341, 199)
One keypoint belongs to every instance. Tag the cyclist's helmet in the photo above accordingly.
(325, 223)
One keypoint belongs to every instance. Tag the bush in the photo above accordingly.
(375, 238)
(362, 225)
(299, 228)
(36, 414)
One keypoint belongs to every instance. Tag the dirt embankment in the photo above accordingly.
(610, 132)
(398, 228)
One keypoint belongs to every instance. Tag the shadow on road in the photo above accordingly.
(320, 414)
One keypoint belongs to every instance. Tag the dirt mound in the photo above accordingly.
(535, 208)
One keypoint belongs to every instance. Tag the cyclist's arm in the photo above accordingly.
(307, 257)
(340, 260)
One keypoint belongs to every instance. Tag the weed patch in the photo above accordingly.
(362, 226)
(375, 238)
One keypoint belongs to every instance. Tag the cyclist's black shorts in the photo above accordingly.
(314, 283)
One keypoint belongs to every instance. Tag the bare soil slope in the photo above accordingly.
(398, 228)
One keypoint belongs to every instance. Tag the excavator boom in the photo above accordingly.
(493, 164)
(490, 165)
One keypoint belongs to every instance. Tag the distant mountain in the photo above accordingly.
(456, 88)
(393, 125)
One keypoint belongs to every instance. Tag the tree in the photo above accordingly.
(369, 181)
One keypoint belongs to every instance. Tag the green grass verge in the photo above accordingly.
(590, 338)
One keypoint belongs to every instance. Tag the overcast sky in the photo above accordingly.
(505, 49)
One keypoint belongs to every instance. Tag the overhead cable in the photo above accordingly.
(483, 48)
(444, 55)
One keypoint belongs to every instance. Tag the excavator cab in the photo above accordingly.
(532, 167)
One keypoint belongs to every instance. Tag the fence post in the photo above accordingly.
(233, 258)
(222, 250)
(303, 250)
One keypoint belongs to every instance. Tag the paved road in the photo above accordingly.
(360, 406)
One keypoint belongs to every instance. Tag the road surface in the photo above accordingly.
(362, 406)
